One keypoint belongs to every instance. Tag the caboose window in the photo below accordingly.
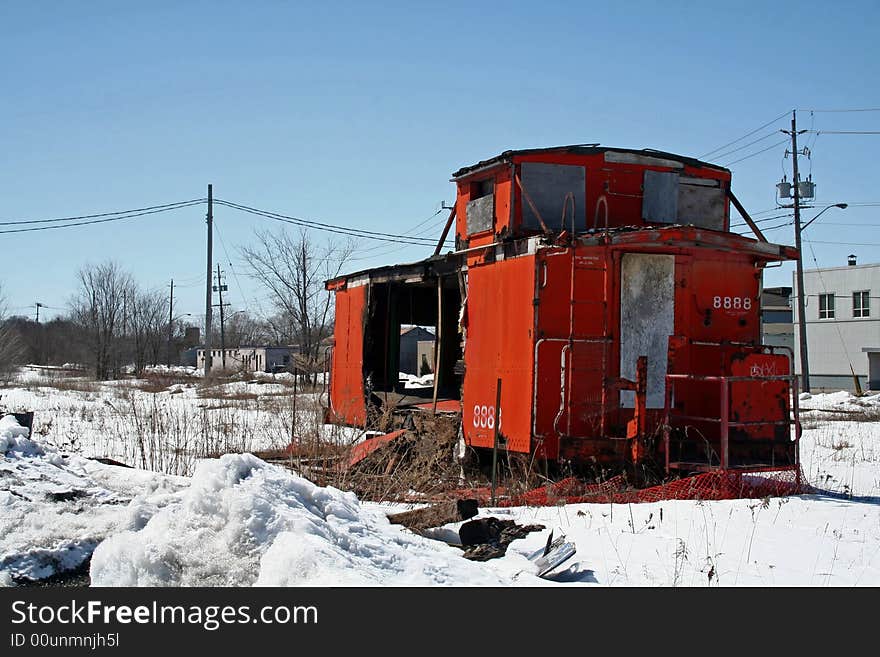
(670, 198)
(482, 188)
(826, 306)
(481, 207)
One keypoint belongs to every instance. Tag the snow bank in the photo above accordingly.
(55, 510)
(14, 438)
(840, 401)
(245, 522)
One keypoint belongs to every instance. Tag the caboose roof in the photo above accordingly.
(584, 149)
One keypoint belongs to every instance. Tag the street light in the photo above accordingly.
(842, 206)
(802, 320)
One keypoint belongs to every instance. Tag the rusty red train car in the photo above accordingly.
(596, 309)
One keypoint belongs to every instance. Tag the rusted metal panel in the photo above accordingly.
(725, 302)
(754, 400)
(362, 450)
(480, 214)
(548, 185)
(660, 200)
(701, 203)
(347, 395)
(499, 345)
(647, 315)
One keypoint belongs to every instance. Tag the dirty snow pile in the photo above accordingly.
(245, 522)
(238, 521)
(54, 510)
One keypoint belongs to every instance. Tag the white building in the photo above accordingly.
(843, 326)
(247, 359)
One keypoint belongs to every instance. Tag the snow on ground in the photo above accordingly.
(55, 510)
(239, 521)
(411, 381)
(141, 423)
(243, 522)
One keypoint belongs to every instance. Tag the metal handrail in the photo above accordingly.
(724, 418)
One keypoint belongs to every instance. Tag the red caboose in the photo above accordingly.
(598, 290)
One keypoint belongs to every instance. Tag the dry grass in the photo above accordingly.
(420, 462)
(161, 382)
(71, 384)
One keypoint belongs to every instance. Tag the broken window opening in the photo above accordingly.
(401, 331)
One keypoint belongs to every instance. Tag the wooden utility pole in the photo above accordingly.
(208, 297)
(220, 288)
(801, 300)
(495, 436)
(170, 321)
(438, 338)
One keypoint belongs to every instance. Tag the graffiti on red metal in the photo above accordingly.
(767, 368)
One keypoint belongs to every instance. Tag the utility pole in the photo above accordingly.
(208, 296)
(39, 305)
(220, 288)
(801, 302)
(170, 321)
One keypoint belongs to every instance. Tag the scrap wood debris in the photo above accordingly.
(488, 538)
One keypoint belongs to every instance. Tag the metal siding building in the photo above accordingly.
(845, 333)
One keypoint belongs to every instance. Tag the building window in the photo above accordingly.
(861, 304)
(826, 306)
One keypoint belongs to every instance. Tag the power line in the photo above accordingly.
(763, 150)
(751, 143)
(385, 249)
(101, 221)
(764, 220)
(848, 132)
(748, 134)
(841, 223)
(318, 225)
(331, 228)
(848, 243)
(104, 214)
(232, 267)
(864, 109)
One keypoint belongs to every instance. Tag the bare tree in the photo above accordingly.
(147, 325)
(102, 306)
(12, 349)
(243, 330)
(293, 269)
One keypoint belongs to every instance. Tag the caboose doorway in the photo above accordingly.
(647, 319)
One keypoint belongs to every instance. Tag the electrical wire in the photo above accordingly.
(232, 267)
(744, 146)
(825, 288)
(764, 220)
(393, 249)
(865, 109)
(406, 233)
(105, 214)
(748, 134)
(848, 243)
(332, 228)
(763, 150)
(100, 221)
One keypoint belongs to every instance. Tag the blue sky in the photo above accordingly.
(356, 114)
